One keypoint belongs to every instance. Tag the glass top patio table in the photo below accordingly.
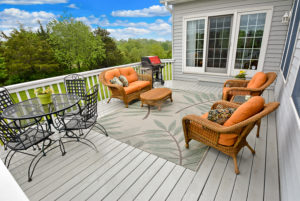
(33, 108)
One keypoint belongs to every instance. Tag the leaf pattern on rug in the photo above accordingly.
(161, 132)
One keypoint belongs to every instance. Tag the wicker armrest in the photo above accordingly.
(144, 77)
(236, 83)
(242, 91)
(215, 127)
(224, 104)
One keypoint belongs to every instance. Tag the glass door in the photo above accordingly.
(195, 44)
(219, 31)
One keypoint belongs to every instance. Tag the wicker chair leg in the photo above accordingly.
(187, 145)
(236, 168)
(251, 149)
(258, 127)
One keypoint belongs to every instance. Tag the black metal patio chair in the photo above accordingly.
(5, 101)
(75, 84)
(85, 119)
(19, 140)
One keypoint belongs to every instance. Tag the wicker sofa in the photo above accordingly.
(138, 84)
(253, 87)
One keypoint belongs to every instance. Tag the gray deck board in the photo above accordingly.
(121, 172)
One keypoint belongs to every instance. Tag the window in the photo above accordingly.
(218, 43)
(195, 43)
(291, 39)
(227, 41)
(296, 93)
(250, 36)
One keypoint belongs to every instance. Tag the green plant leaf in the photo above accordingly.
(172, 126)
(160, 125)
(178, 130)
(189, 99)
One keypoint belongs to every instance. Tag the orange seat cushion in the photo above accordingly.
(131, 88)
(205, 115)
(257, 80)
(109, 75)
(129, 73)
(140, 84)
(245, 111)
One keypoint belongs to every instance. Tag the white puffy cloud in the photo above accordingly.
(12, 18)
(152, 11)
(159, 29)
(30, 2)
(72, 6)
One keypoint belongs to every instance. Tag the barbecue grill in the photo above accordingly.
(154, 64)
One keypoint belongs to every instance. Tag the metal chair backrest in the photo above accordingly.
(8, 134)
(5, 99)
(91, 99)
(75, 84)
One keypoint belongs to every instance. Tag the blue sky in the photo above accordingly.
(124, 19)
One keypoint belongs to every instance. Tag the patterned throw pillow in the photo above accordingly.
(116, 80)
(220, 115)
(124, 80)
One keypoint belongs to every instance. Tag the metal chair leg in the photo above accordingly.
(101, 128)
(34, 163)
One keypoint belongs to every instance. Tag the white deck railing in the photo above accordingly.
(24, 91)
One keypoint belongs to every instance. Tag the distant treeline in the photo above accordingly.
(67, 46)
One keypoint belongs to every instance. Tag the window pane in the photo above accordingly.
(296, 93)
(194, 43)
(219, 34)
(249, 41)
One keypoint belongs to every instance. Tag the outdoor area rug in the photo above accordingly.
(160, 132)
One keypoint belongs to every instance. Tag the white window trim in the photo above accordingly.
(233, 39)
(294, 49)
(189, 69)
(291, 96)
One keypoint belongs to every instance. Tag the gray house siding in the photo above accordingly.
(288, 130)
(275, 43)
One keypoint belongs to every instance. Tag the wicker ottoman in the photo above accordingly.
(156, 97)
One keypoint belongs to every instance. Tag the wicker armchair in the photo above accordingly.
(118, 91)
(209, 132)
(239, 87)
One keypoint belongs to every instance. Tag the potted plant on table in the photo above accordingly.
(44, 95)
(241, 76)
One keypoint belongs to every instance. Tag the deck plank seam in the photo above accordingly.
(65, 181)
(162, 182)
(136, 179)
(92, 162)
(118, 171)
(150, 180)
(126, 176)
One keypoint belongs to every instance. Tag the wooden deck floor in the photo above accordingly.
(121, 172)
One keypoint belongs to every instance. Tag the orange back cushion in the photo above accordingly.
(245, 111)
(109, 75)
(258, 80)
(129, 73)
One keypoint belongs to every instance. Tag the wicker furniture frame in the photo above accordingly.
(156, 97)
(119, 92)
(208, 132)
(239, 87)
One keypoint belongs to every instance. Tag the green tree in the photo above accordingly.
(27, 57)
(3, 71)
(74, 44)
(113, 54)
